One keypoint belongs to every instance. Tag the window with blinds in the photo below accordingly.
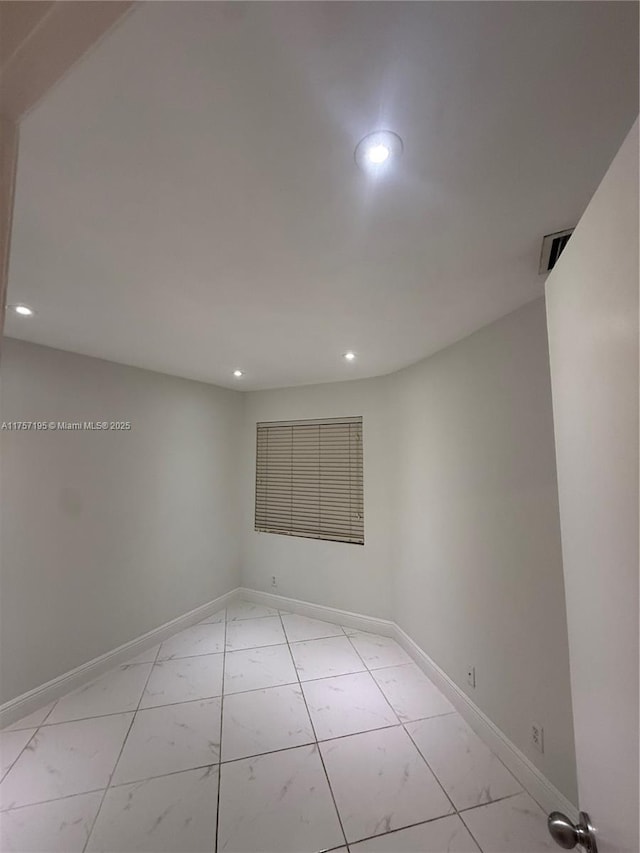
(309, 479)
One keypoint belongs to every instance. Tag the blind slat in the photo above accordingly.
(309, 479)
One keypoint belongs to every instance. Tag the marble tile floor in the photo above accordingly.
(260, 731)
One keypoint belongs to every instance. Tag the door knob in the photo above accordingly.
(568, 835)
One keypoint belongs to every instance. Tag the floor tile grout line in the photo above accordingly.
(492, 753)
(382, 693)
(159, 659)
(313, 639)
(490, 802)
(130, 711)
(241, 619)
(430, 717)
(54, 800)
(317, 744)
(205, 766)
(447, 713)
(311, 742)
(435, 776)
(402, 828)
(220, 762)
(253, 754)
(44, 720)
(138, 781)
(224, 660)
(204, 698)
(466, 826)
(269, 751)
(162, 775)
(112, 786)
(50, 711)
(400, 725)
(26, 729)
(133, 717)
(188, 657)
(258, 754)
(182, 702)
(287, 642)
(523, 789)
(384, 666)
(19, 755)
(77, 719)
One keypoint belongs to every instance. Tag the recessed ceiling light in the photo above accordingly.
(23, 310)
(237, 373)
(349, 356)
(376, 152)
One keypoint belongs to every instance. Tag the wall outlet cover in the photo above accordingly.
(537, 737)
(471, 676)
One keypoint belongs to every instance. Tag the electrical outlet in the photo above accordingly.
(537, 737)
(471, 676)
(274, 582)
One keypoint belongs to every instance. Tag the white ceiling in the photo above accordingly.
(187, 198)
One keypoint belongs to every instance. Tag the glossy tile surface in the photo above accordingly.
(467, 769)
(61, 826)
(445, 835)
(69, 758)
(248, 610)
(298, 628)
(11, 745)
(324, 658)
(147, 656)
(347, 704)
(33, 720)
(263, 721)
(277, 803)
(411, 694)
(183, 679)
(218, 616)
(377, 651)
(517, 823)
(171, 814)
(381, 782)
(131, 761)
(204, 639)
(254, 633)
(255, 668)
(114, 692)
(171, 738)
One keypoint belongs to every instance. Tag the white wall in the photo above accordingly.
(106, 535)
(336, 574)
(478, 570)
(592, 304)
(462, 538)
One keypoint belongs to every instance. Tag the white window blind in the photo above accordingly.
(309, 479)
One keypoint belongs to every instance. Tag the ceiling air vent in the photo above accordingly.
(552, 247)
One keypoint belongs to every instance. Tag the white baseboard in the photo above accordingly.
(319, 611)
(532, 780)
(25, 704)
(530, 777)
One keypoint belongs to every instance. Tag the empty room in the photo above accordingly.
(319, 427)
